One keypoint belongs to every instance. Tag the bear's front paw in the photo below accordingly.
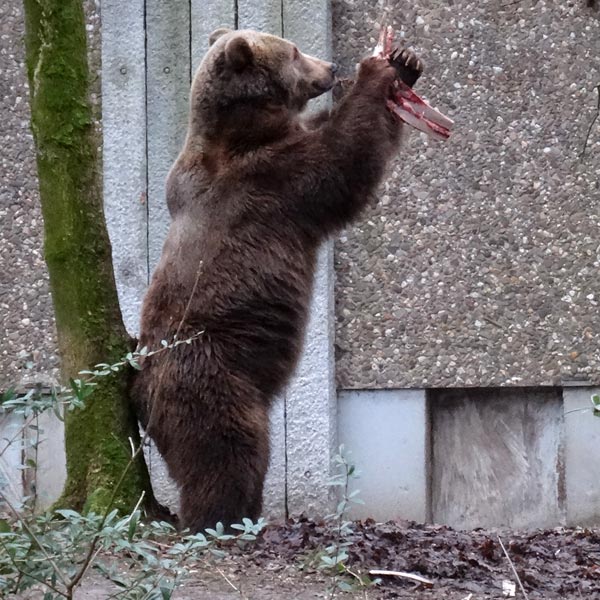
(377, 72)
(407, 64)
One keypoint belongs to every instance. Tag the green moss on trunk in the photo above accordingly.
(78, 254)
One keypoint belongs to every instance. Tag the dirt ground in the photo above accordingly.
(558, 563)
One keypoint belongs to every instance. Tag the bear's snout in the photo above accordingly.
(325, 82)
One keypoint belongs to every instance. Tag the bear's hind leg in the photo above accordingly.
(221, 470)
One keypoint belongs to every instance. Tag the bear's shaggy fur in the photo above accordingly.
(252, 195)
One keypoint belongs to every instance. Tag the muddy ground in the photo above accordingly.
(558, 563)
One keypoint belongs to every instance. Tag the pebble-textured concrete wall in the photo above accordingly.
(27, 336)
(27, 342)
(479, 265)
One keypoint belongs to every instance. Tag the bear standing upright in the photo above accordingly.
(253, 194)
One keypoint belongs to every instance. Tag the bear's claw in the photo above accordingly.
(407, 65)
(406, 104)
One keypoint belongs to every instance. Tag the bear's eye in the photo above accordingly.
(296, 54)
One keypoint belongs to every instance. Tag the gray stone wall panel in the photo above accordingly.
(261, 16)
(478, 266)
(310, 397)
(168, 88)
(124, 121)
(582, 439)
(208, 15)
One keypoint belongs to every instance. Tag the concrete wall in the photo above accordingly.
(457, 278)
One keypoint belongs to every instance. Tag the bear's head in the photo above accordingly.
(246, 71)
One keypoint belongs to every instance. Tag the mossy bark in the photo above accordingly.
(78, 255)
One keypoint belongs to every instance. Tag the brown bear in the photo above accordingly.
(253, 194)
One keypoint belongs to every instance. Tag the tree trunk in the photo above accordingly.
(78, 255)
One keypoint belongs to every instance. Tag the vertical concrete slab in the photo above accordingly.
(498, 457)
(124, 150)
(311, 397)
(208, 15)
(274, 505)
(261, 16)
(168, 78)
(308, 24)
(165, 489)
(311, 440)
(167, 87)
(582, 441)
(387, 432)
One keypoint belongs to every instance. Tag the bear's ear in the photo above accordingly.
(217, 33)
(238, 53)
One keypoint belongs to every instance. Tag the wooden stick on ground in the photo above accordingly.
(409, 576)
(510, 562)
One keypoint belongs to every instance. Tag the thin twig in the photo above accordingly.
(587, 137)
(211, 566)
(231, 584)
(510, 562)
(136, 507)
(338, 537)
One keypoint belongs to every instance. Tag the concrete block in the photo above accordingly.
(51, 472)
(497, 457)
(124, 150)
(387, 433)
(582, 444)
(165, 489)
(168, 88)
(308, 24)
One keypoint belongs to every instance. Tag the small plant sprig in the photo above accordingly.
(334, 557)
(596, 405)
